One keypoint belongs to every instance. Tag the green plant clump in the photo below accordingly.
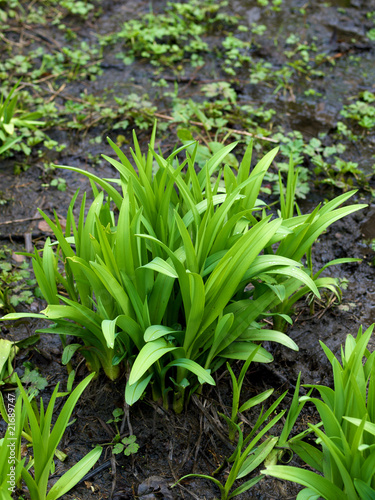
(345, 453)
(169, 38)
(21, 414)
(362, 111)
(179, 280)
(250, 452)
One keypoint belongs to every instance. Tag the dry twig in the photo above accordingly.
(231, 130)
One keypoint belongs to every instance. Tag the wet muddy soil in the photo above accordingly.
(194, 442)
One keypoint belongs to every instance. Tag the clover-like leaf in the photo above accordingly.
(131, 445)
(118, 448)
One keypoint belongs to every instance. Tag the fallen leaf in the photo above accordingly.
(18, 258)
(44, 227)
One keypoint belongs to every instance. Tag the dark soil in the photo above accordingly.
(194, 442)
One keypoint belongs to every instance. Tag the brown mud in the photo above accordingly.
(194, 442)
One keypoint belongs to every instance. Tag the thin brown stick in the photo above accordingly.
(28, 242)
(16, 221)
(10, 42)
(113, 472)
(55, 93)
(331, 301)
(232, 130)
(44, 79)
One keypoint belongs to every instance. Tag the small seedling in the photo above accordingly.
(117, 416)
(16, 287)
(127, 445)
(33, 380)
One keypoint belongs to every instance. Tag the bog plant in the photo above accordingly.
(345, 455)
(44, 442)
(258, 446)
(179, 280)
(248, 455)
(236, 389)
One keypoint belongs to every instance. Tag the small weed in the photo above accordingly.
(170, 38)
(16, 287)
(178, 37)
(362, 111)
(15, 123)
(33, 380)
(59, 183)
(127, 445)
(117, 416)
(79, 8)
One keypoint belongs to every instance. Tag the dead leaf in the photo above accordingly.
(44, 227)
(18, 258)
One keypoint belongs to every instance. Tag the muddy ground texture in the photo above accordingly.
(174, 445)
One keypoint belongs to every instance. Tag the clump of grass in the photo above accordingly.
(164, 284)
